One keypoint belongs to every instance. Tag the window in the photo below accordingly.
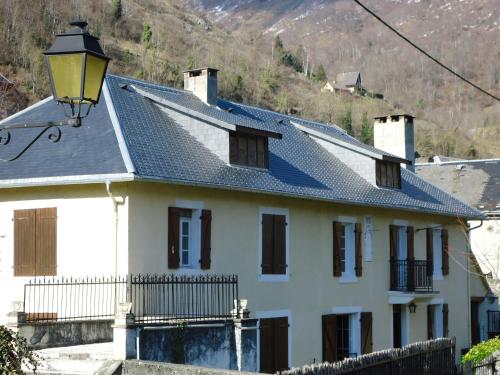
(401, 247)
(189, 238)
(400, 326)
(274, 244)
(248, 150)
(437, 320)
(35, 242)
(388, 174)
(347, 250)
(347, 334)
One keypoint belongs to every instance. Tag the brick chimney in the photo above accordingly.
(395, 134)
(202, 83)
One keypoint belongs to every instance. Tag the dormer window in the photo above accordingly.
(388, 174)
(248, 150)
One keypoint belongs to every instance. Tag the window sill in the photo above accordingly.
(188, 271)
(273, 278)
(348, 279)
(437, 277)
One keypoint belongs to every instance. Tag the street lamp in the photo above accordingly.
(77, 67)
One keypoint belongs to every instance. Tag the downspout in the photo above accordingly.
(115, 207)
(469, 338)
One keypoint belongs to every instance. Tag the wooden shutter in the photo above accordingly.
(411, 258)
(445, 320)
(281, 343)
(279, 253)
(444, 251)
(393, 241)
(46, 242)
(430, 322)
(358, 249)
(337, 234)
(173, 237)
(267, 243)
(266, 341)
(430, 251)
(24, 243)
(329, 328)
(206, 237)
(366, 333)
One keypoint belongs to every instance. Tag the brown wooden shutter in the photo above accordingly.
(329, 325)
(173, 237)
(206, 237)
(366, 333)
(24, 243)
(266, 339)
(393, 240)
(279, 254)
(430, 251)
(411, 258)
(444, 251)
(337, 234)
(445, 320)
(358, 249)
(281, 343)
(430, 323)
(46, 242)
(267, 243)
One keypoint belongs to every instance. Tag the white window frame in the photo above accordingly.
(273, 277)
(274, 314)
(194, 267)
(437, 256)
(354, 313)
(437, 316)
(349, 275)
(190, 262)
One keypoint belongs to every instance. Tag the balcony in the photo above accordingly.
(411, 276)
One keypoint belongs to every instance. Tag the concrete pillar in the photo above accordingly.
(124, 333)
(17, 316)
(245, 332)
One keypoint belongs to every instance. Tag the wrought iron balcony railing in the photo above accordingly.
(411, 276)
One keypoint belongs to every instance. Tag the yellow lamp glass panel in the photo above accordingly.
(66, 73)
(94, 72)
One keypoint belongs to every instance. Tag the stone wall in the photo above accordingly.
(131, 367)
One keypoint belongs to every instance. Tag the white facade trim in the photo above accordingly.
(193, 205)
(275, 314)
(436, 301)
(38, 104)
(274, 211)
(401, 223)
(66, 180)
(348, 219)
(118, 130)
(194, 237)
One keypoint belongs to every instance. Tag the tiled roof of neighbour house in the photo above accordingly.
(160, 149)
(347, 79)
(476, 182)
(145, 143)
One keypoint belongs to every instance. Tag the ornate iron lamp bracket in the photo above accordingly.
(50, 127)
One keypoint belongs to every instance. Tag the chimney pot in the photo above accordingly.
(202, 83)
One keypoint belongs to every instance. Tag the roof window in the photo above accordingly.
(388, 174)
(248, 150)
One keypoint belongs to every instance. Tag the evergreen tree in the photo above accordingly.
(366, 129)
(347, 122)
(147, 34)
(117, 9)
(320, 73)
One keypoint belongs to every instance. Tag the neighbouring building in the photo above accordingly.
(338, 249)
(477, 183)
(346, 81)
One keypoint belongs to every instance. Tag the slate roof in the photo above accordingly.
(347, 79)
(161, 150)
(476, 182)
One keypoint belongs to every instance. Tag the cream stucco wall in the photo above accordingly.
(485, 243)
(85, 233)
(311, 290)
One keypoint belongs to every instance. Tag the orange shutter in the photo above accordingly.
(329, 324)
(46, 242)
(366, 333)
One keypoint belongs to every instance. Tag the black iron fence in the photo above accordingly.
(153, 298)
(411, 276)
(493, 323)
(421, 358)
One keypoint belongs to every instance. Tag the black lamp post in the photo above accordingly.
(77, 67)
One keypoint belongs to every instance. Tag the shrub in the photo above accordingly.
(482, 351)
(14, 353)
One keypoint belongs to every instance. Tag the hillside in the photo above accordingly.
(157, 39)
(465, 34)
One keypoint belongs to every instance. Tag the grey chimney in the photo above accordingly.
(395, 134)
(202, 83)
